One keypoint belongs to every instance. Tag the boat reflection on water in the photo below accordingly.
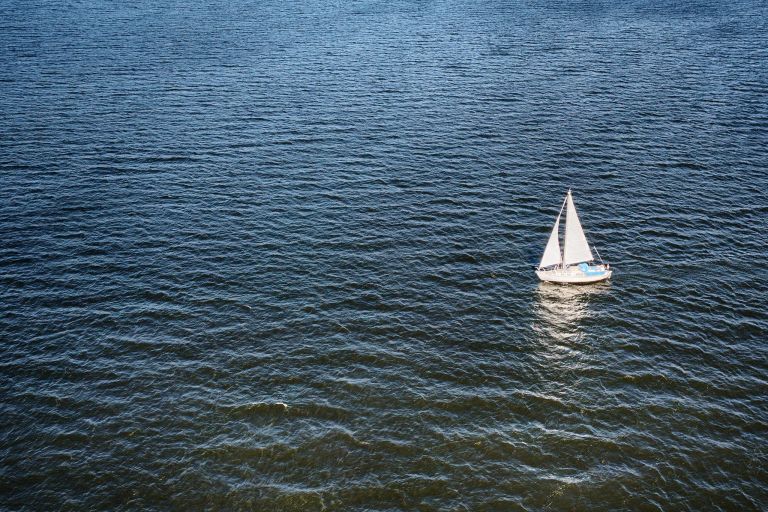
(566, 358)
(560, 311)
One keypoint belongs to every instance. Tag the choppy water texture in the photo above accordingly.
(277, 255)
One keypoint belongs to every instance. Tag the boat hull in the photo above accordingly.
(575, 275)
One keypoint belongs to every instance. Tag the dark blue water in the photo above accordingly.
(278, 255)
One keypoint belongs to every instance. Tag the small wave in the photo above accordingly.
(255, 408)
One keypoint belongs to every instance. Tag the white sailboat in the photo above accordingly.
(575, 263)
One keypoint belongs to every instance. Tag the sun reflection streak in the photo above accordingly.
(560, 311)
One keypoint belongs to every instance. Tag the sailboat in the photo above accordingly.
(575, 264)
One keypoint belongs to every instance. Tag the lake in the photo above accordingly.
(279, 255)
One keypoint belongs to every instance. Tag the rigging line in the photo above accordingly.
(598, 253)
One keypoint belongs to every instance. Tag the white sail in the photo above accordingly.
(552, 254)
(575, 246)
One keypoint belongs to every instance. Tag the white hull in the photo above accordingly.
(575, 275)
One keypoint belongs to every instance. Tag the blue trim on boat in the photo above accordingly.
(591, 271)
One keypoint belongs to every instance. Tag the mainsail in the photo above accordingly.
(575, 246)
(552, 254)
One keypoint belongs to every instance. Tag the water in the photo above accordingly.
(277, 255)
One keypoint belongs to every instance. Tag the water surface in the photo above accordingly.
(277, 255)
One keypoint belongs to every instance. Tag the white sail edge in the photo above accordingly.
(575, 246)
(552, 255)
